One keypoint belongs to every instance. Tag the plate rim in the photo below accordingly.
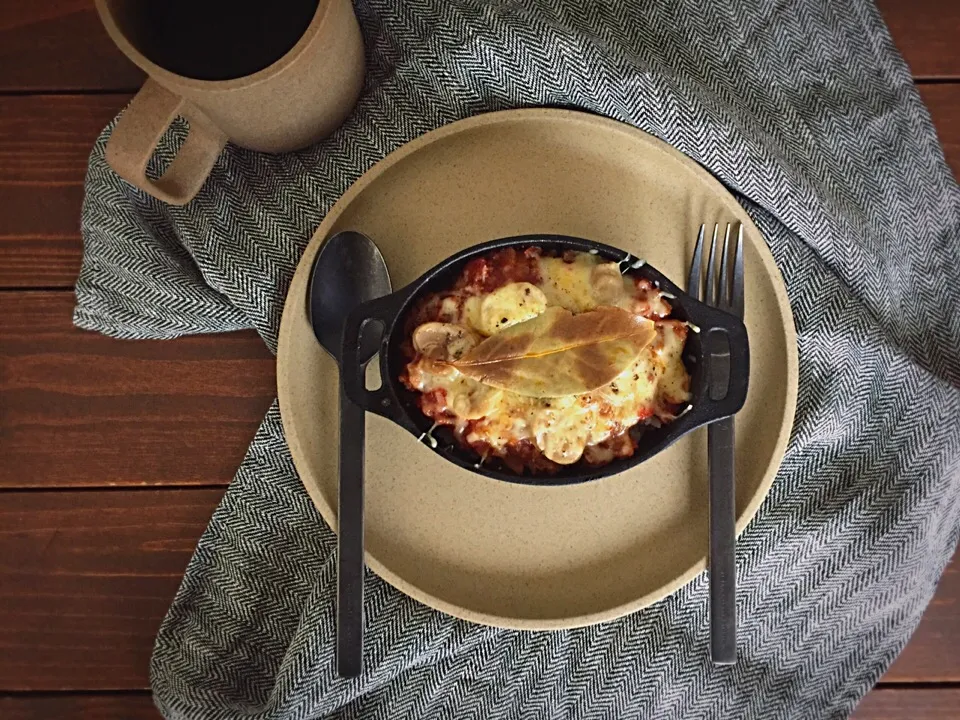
(284, 367)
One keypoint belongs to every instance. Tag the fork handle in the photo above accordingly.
(723, 571)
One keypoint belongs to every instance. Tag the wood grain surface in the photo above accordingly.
(943, 102)
(909, 704)
(77, 408)
(59, 45)
(96, 434)
(933, 654)
(74, 706)
(44, 145)
(85, 579)
(926, 34)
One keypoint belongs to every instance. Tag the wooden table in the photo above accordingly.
(113, 454)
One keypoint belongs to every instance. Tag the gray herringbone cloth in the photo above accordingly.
(802, 108)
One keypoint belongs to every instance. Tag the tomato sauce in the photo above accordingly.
(483, 275)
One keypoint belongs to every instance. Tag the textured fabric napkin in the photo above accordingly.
(806, 112)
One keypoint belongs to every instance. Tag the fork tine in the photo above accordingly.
(711, 294)
(736, 300)
(696, 267)
(723, 292)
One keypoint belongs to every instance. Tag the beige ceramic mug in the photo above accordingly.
(269, 76)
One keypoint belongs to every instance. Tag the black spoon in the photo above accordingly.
(349, 270)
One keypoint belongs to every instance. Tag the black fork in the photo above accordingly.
(724, 290)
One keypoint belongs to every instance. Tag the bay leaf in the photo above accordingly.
(558, 353)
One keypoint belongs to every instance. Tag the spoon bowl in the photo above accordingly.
(348, 271)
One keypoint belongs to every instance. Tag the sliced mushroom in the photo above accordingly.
(444, 341)
(560, 431)
(509, 305)
(479, 401)
(606, 283)
(563, 448)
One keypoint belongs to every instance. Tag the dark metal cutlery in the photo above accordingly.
(723, 290)
(348, 270)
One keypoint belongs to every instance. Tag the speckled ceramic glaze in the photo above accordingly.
(291, 103)
(525, 556)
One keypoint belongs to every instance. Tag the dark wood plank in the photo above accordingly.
(79, 409)
(72, 706)
(931, 655)
(86, 578)
(44, 145)
(926, 33)
(59, 45)
(943, 102)
(909, 704)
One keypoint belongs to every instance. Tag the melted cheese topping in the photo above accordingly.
(561, 428)
(511, 304)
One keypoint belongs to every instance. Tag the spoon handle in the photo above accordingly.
(350, 549)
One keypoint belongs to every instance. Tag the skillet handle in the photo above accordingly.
(726, 357)
(381, 311)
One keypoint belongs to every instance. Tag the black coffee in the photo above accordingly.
(217, 39)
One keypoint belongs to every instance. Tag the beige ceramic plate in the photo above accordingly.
(513, 555)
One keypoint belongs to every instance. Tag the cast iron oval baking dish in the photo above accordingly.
(719, 331)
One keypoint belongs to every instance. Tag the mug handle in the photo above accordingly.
(140, 128)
